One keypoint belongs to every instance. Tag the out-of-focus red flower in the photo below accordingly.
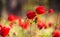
(11, 17)
(0, 28)
(31, 14)
(4, 31)
(51, 11)
(50, 24)
(45, 26)
(56, 33)
(25, 26)
(40, 10)
(20, 22)
(40, 25)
